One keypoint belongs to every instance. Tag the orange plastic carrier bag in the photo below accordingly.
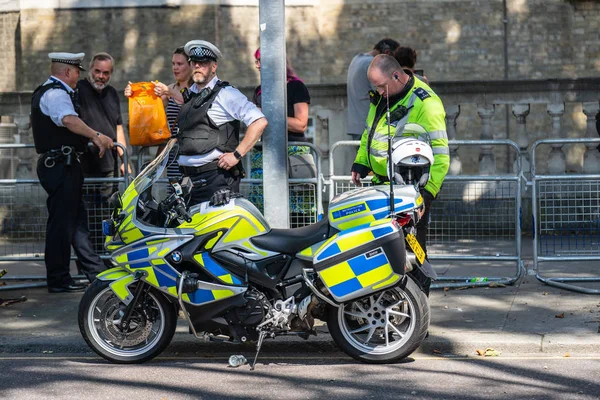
(147, 119)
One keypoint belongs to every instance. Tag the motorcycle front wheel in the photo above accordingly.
(150, 329)
(384, 327)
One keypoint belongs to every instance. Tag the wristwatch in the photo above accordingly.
(237, 155)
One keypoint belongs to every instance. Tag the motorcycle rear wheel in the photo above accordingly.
(383, 328)
(150, 329)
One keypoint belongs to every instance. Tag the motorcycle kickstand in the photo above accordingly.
(261, 337)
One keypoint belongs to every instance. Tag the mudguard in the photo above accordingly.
(120, 280)
(428, 270)
(112, 274)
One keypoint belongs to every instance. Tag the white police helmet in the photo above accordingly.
(411, 158)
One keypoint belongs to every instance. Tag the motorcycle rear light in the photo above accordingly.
(403, 219)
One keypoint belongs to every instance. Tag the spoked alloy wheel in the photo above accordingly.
(384, 327)
(150, 329)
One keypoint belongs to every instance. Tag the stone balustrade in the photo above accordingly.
(523, 111)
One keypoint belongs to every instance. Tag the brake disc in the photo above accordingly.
(137, 331)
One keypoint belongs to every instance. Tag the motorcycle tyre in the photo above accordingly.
(421, 302)
(170, 312)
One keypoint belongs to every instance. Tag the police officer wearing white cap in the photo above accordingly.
(60, 136)
(209, 121)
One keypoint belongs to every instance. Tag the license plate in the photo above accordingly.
(416, 247)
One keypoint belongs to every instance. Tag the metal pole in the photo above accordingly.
(274, 100)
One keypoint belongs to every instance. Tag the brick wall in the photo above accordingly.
(456, 40)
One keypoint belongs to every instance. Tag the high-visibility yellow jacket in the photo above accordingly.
(419, 106)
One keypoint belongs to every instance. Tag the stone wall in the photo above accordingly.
(456, 40)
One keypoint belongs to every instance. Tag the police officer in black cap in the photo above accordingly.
(60, 137)
(209, 122)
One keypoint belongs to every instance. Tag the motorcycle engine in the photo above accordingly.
(242, 320)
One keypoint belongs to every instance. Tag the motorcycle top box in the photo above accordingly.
(363, 206)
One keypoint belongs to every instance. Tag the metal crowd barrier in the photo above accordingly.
(23, 223)
(301, 191)
(494, 200)
(566, 211)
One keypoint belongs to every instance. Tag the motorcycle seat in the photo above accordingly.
(291, 241)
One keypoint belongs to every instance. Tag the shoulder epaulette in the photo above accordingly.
(422, 93)
(374, 97)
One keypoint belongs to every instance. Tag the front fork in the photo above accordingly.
(140, 290)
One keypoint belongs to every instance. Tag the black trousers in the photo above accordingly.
(207, 183)
(67, 224)
(422, 228)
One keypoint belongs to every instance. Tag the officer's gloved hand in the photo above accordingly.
(222, 197)
(427, 198)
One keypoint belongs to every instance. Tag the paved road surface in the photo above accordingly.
(300, 376)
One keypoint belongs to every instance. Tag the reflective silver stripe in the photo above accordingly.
(379, 153)
(402, 122)
(441, 150)
(441, 134)
(379, 137)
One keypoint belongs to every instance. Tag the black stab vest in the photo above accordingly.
(46, 134)
(198, 134)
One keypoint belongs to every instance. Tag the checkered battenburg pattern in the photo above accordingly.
(60, 60)
(202, 52)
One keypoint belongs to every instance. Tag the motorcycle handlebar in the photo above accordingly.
(180, 208)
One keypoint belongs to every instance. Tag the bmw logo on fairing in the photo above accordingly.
(176, 256)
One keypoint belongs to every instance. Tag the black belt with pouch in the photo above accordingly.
(66, 155)
(237, 170)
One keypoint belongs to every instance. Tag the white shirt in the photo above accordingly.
(229, 105)
(56, 103)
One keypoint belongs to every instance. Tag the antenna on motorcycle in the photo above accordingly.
(390, 167)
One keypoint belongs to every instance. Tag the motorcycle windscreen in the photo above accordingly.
(361, 261)
(148, 175)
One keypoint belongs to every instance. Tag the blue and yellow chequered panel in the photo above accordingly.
(216, 270)
(345, 241)
(363, 271)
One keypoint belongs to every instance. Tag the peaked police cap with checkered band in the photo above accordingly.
(68, 58)
(201, 50)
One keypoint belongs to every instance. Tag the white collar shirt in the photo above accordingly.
(56, 103)
(229, 105)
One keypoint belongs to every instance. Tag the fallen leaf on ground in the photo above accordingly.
(489, 352)
(561, 315)
(8, 302)
(446, 289)
(567, 355)
(545, 294)
(436, 351)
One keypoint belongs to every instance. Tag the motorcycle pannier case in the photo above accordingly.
(362, 260)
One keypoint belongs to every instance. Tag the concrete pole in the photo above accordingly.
(274, 99)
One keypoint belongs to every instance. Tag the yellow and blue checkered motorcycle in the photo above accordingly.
(235, 279)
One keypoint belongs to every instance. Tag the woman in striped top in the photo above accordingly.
(172, 100)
